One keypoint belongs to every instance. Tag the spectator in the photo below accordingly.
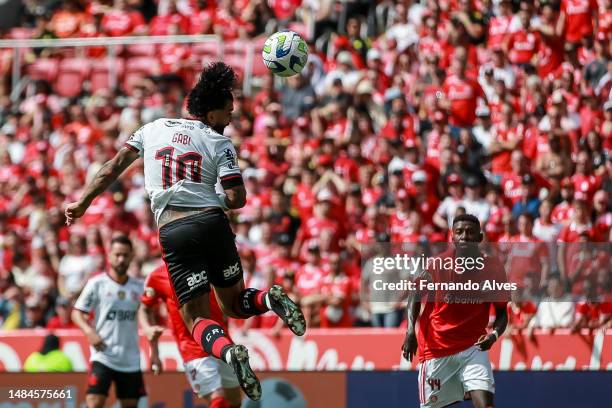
(62, 319)
(49, 359)
(297, 97)
(74, 268)
(527, 253)
(337, 289)
(529, 201)
(556, 310)
(445, 213)
(12, 309)
(34, 313)
(122, 20)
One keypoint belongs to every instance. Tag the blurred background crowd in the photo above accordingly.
(407, 114)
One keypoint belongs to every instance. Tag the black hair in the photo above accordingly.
(466, 218)
(50, 343)
(123, 240)
(528, 215)
(213, 90)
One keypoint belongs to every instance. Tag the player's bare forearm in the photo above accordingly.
(235, 197)
(81, 320)
(148, 322)
(413, 308)
(501, 319)
(146, 317)
(108, 173)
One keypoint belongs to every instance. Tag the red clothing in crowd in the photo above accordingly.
(578, 18)
(117, 23)
(463, 95)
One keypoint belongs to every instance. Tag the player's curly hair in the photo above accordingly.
(213, 89)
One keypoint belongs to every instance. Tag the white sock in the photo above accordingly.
(267, 300)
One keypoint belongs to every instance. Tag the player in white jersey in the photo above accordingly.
(113, 298)
(183, 162)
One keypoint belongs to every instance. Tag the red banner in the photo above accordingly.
(341, 349)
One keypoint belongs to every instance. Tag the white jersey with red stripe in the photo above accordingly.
(183, 163)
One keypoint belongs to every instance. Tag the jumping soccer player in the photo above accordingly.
(210, 378)
(452, 339)
(183, 159)
(113, 298)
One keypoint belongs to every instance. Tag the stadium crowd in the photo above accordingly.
(408, 113)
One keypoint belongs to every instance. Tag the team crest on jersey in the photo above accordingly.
(231, 158)
(121, 295)
(149, 292)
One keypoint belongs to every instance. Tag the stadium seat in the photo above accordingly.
(259, 68)
(137, 68)
(43, 68)
(236, 47)
(71, 74)
(141, 50)
(208, 49)
(20, 33)
(100, 73)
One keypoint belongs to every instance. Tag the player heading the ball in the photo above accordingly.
(183, 162)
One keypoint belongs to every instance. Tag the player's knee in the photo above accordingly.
(194, 309)
(131, 403)
(95, 401)
(482, 399)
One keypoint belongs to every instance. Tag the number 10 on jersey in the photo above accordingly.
(187, 165)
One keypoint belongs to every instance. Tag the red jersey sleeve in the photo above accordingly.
(529, 308)
(153, 293)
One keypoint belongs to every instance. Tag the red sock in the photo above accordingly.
(211, 337)
(218, 402)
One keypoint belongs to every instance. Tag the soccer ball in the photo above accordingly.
(277, 393)
(285, 53)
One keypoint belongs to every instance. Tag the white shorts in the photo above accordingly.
(445, 380)
(208, 374)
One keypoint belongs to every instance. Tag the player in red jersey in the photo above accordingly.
(210, 378)
(452, 339)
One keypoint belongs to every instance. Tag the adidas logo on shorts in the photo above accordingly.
(197, 279)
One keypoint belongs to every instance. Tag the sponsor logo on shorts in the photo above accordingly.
(231, 271)
(433, 399)
(197, 280)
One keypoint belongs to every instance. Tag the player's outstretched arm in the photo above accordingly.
(499, 327)
(148, 323)
(108, 173)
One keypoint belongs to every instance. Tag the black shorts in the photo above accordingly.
(128, 385)
(199, 251)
